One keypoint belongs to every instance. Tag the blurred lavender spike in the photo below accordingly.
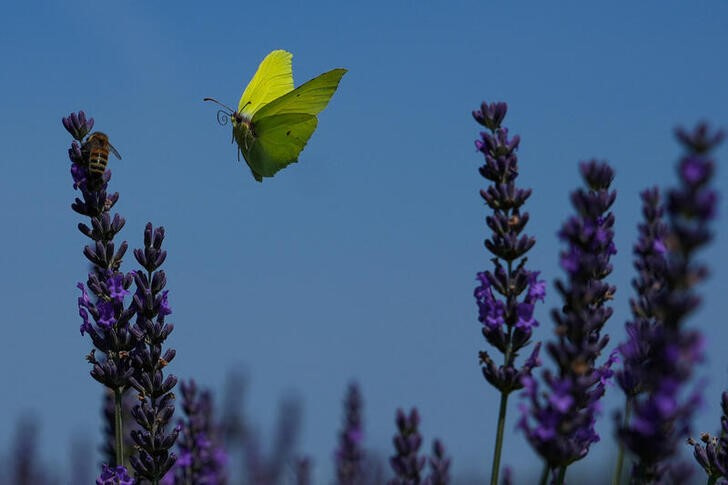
(350, 455)
(559, 424)
(406, 463)
(663, 413)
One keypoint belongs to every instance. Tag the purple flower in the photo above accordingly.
(349, 454)
(507, 322)
(661, 354)
(114, 476)
(406, 463)
(154, 440)
(202, 458)
(77, 125)
(439, 465)
(559, 422)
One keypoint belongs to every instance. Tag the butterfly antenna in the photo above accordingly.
(223, 105)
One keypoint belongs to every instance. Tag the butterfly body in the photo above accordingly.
(274, 121)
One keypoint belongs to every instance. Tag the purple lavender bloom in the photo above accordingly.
(439, 466)
(77, 125)
(114, 476)
(349, 455)
(663, 411)
(559, 423)
(407, 464)
(201, 459)
(153, 415)
(507, 322)
(650, 264)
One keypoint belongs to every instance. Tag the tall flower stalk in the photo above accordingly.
(662, 413)
(560, 421)
(650, 261)
(102, 299)
(202, 458)
(506, 296)
(156, 408)
(349, 454)
(407, 464)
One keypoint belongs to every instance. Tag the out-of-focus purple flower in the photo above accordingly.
(559, 423)
(202, 458)
(77, 125)
(507, 322)
(350, 455)
(650, 264)
(662, 411)
(406, 463)
(114, 476)
(439, 466)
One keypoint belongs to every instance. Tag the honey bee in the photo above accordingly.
(98, 147)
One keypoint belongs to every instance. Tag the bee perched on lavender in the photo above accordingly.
(98, 148)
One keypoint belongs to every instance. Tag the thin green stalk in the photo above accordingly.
(499, 439)
(118, 427)
(544, 474)
(712, 480)
(562, 476)
(617, 478)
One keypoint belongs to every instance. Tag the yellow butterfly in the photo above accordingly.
(273, 121)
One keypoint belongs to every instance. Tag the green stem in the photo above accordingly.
(499, 439)
(712, 480)
(544, 474)
(562, 475)
(617, 478)
(118, 427)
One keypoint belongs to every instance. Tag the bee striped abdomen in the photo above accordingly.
(98, 153)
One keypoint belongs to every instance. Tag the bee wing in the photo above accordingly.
(114, 151)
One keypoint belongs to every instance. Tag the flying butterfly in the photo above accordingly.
(273, 121)
(98, 147)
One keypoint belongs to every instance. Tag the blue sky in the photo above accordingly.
(359, 261)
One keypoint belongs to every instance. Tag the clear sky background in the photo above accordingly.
(359, 261)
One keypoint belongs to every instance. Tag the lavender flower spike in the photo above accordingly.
(104, 313)
(349, 454)
(439, 465)
(201, 459)
(407, 464)
(662, 414)
(560, 421)
(507, 295)
(155, 411)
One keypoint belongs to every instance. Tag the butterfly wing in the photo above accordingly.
(276, 142)
(273, 79)
(309, 98)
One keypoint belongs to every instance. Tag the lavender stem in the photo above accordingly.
(499, 439)
(617, 478)
(544, 473)
(119, 426)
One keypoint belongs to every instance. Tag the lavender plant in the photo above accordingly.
(130, 355)
(202, 458)
(559, 424)
(507, 321)
(439, 465)
(156, 408)
(407, 464)
(349, 455)
(635, 352)
(110, 334)
(662, 413)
